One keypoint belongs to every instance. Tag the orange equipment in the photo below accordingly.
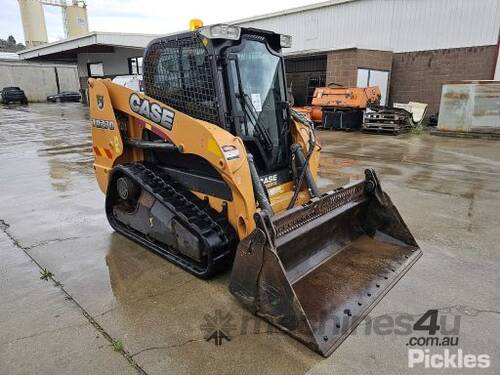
(327, 100)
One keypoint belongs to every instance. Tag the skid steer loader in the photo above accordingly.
(210, 167)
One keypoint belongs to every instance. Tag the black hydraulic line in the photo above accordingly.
(258, 189)
(303, 164)
(150, 145)
(312, 144)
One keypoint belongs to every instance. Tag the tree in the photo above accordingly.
(10, 45)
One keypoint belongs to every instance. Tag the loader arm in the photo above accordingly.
(113, 116)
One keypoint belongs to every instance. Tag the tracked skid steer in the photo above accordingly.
(210, 168)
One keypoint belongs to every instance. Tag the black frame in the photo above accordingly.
(94, 63)
(228, 53)
(135, 60)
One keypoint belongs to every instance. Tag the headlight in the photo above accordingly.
(221, 31)
(285, 41)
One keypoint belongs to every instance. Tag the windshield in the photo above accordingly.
(261, 96)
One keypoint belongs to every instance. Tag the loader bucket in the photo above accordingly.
(316, 271)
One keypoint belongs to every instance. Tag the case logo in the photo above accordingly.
(270, 180)
(152, 111)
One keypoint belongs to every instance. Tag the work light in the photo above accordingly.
(221, 31)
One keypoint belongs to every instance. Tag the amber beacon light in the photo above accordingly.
(195, 23)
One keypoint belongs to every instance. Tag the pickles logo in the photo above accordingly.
(152, 111)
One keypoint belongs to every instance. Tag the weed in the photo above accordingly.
(46, 274)
(117, 345)
(418, 130)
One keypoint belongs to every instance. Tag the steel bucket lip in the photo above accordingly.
(320, 346)
(368, 308)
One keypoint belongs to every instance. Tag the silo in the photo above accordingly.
(35, 30)
(75, 19)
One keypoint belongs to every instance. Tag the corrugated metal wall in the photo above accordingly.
(392, 25)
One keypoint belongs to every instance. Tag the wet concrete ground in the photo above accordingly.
(104, 287)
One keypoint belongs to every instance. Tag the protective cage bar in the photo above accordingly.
(178, 71)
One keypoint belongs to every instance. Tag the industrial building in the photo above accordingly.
(96, 54)
(38, 79)
(74, 19)
(43, 77)
(408, 48)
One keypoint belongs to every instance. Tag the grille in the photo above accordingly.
(178, 72)
(295, 219)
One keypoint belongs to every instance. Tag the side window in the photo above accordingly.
(167, 74)
(178, 72)
(192, 67)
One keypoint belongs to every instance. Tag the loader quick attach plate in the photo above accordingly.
(316, 271)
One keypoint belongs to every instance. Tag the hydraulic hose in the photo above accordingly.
(305, 165)
(258, 189)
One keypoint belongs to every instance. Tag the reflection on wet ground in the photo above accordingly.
(446, 189)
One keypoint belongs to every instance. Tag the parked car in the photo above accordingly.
(65, 96)
(13, 94)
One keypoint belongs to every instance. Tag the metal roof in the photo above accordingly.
(387, 25)
(9, 56)
(95, 41)
(280, 13)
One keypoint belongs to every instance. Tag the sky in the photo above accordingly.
(144, 16)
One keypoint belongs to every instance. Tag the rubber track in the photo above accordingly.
(204, 220)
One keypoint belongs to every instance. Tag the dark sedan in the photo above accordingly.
(13, 94)
(65, 96)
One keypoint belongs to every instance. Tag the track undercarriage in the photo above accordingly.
(148, 206)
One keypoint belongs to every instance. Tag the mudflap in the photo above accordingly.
(317, 270)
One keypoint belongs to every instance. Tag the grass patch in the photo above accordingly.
(46, 274)
(117, 345)
(417, 130)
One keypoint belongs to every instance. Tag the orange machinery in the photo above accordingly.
(349, 102)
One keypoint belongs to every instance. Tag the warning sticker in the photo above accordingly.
(257, 104)
(230, 152)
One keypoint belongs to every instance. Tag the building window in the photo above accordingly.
(135, 65)
(95, 69)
